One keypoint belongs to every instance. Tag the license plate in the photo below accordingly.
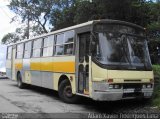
(130, 90)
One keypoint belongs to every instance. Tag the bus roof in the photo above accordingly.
(81, 25)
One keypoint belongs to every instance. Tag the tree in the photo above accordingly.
(21, 34)
(33, 10)
(135, 11)
(63, 15)
(154, 30)
(10, 38)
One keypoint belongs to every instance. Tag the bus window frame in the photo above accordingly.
(53, 36)
(8, 53)
(17, 51)
(37, 48)
(25, 50)
(58, 44)
(63, 44)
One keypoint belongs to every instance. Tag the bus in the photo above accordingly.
(105, 60)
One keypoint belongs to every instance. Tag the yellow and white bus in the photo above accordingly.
(105, 60)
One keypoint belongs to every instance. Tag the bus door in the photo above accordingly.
(13, 63)
(83, 63)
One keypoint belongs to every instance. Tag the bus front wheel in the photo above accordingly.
(19, 81)
(65, 92)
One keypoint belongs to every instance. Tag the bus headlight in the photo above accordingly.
(110, 86)
(148, 86)
(114, 86)
(144, 86)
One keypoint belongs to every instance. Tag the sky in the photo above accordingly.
(5, 27)
(5, 18)
(3, 50)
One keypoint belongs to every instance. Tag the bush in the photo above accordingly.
(156, 93)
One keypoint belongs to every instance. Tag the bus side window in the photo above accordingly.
(59, 48)
(68, 43)
(19, 51)
(37, 44)
(9, 52)
(48, 46)
(27, 49)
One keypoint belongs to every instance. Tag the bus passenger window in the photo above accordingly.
(68, 49)
(19, 51)
(27, 49)
(48, 46)
(59, 39)
(68, 43)
(9, 52)
(69, 37)
(59, 48)
(37, 48)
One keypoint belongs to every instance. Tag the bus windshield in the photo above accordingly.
(122, 47)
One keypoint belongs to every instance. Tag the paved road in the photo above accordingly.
(40, 100)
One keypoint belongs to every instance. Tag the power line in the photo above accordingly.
(5, 13)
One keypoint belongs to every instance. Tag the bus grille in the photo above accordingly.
(136, 95)
(132, 85)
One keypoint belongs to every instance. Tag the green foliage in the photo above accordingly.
(154, 30)
(64, 13)
(34, 10)
(71, 12)
(21, 34)
(9, 38)
(156, 94)
(156, 69)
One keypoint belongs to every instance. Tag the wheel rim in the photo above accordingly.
(68, 91)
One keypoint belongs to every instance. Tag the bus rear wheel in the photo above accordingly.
(65, 92)
(19, 81)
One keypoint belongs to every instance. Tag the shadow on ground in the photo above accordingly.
(89, 104)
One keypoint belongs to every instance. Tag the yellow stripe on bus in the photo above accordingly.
(68, 67)
(64, 67)
(18, 66)
(35, 66)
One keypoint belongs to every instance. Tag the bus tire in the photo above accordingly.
(20, 84)
(65, 92)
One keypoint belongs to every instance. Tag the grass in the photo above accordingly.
(156, 94)
(156, 69)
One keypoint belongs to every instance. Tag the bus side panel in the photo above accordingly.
(36, 77)
(18, 67)
(47, 72)
(8, 69)
(72, 81)
(64, 66)
(26, 71)
(9, 62)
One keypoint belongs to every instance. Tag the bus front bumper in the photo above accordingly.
(101, 92)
